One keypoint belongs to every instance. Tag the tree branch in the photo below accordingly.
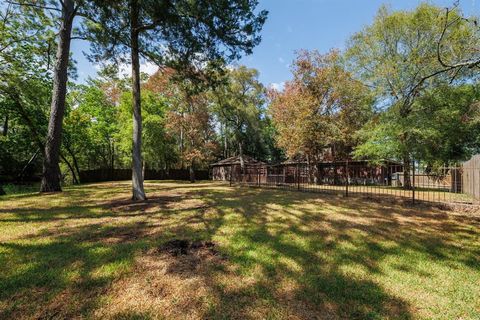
(33, 5)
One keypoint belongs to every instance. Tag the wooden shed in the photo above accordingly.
(221, 170)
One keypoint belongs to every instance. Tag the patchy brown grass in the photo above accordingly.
(208, 251)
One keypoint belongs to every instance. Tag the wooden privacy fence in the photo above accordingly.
(449, 184)
(99, 175)
(471, 177)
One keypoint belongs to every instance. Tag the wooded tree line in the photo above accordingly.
(194, 38)
(404, 88)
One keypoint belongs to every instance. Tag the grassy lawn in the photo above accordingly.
(90, 253)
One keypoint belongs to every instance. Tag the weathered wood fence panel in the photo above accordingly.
(99, 175)
(471, 177)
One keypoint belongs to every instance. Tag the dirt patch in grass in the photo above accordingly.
(178, 247)
(170, 281)
(188, 256)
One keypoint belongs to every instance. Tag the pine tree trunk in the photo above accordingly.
(407, 183)
(192, 172)
(51, 169)
(242, 162)
(112, 160)
(225, 146)
(137, 176)
(181, 145)
(5, 126)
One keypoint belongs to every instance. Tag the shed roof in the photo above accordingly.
(236, 160)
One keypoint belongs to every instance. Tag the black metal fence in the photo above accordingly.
(415, 182)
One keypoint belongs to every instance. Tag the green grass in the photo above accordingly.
(91, 253)
(21, 189)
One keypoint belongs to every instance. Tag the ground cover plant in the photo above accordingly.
(208, 250)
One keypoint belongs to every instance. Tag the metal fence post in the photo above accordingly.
(413, 181)
(347, 178)
(298, 176)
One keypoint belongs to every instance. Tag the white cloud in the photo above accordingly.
(281, 60)
(125, 70)
(149, 68)
(278, 86)
(146, 67)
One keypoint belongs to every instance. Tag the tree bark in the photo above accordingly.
(181, 143)
(240, 151)
(192, 172)
(5, 126)
(51, 169)
(407, 183)
(112, 164)
(137, 177)
(225, 146)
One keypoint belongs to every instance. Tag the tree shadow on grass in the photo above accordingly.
(65, 274)
(322, 242)
(287, 255)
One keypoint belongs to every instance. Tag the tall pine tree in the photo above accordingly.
(182, 34)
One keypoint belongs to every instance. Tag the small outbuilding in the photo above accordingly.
(221, 170)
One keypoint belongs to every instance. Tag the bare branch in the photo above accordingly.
(468, 63)
(33, 5)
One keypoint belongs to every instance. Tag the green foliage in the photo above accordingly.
(399, 49)
(239, 107)
(158, 145)
(443, 127)
(91, 126)
(25, 86)
(397, 56)
(180, 33)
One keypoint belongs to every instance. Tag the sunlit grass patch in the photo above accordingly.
(92, 253)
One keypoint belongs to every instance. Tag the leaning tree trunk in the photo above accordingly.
(51, 169)
(75, 162)
(137, 176)
(70, 167)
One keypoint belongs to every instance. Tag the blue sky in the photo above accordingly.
(299, 24)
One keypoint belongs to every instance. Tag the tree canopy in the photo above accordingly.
(404, 89)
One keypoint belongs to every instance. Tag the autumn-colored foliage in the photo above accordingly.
(318, 112)
(189, 120)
